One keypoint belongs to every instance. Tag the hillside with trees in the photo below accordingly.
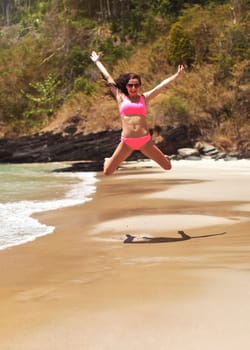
(47, 78)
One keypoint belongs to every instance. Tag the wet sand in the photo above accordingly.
(179, 281)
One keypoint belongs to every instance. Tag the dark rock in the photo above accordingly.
(232, 156)
(82, 166)
(91, 149)
(220, 155)
(209, 151)
(188, 152)
(70, 129)
(193, 158)
(49, 147)
(244, 154)
(176, 137)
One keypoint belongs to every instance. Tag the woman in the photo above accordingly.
(133, 109)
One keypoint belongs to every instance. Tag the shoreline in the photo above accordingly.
(81, 287)
(31, 189)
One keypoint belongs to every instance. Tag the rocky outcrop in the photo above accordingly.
(50, 147)
(91, 149)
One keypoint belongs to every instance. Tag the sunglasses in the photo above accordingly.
(136, 85)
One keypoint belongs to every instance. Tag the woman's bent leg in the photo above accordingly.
(150, 150)
(121, 153)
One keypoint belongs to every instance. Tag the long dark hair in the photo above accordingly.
(123, 79)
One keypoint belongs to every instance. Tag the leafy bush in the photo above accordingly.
(83, 85)
(179, 46)
(45, 98)
(171, 110)
(177, 110)
(78, 60)
(113, 52)
(224, 68)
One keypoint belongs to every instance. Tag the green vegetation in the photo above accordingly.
(45, 68)
(43, 101)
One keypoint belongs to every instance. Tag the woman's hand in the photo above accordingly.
(94, 57)
(180, 69)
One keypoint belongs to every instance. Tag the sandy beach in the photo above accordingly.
(156, 260)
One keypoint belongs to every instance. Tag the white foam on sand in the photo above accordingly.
(19, 227)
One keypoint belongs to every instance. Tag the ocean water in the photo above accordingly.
(26, 189)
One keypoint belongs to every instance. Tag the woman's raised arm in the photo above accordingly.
(96, 59)
(158, 88)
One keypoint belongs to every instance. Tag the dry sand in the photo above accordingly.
(82, 288)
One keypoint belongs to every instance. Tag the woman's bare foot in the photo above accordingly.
(106, 161)
(168, 160)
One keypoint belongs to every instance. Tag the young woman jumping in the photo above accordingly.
(133, 110)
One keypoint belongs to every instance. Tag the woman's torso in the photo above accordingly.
(133, 116)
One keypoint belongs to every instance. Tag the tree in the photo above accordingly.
(7, 6)
(179, 46)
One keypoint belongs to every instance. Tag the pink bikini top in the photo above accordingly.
(133, 108)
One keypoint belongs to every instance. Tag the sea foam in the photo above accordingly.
(17, 224)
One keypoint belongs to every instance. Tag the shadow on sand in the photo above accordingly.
(184, 237)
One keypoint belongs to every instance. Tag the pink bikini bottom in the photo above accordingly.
(136, 142)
